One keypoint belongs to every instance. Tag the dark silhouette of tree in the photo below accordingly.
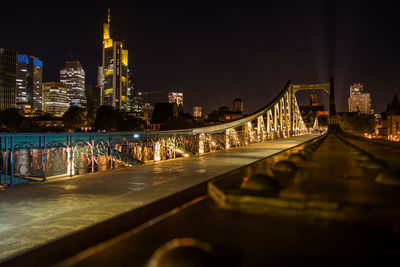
(107, 118)
(128, 123)
(74, 118)
(10, 120)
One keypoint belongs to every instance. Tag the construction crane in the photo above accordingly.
(147, 93)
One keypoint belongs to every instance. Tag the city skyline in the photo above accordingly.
(238, 52)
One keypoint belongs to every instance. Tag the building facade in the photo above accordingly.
(55, 98)
(197, 112)
(8, 70)
(358, 100)
(73, 76)
(29, 83)
(115, 71)
(175, 97)
(238, 105)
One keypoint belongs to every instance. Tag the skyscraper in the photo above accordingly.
(74, 77)
(358, 100)
(29, 83)
(8, 72)
(55, 98)
(115, 71)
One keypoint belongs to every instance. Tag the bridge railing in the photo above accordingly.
(26, 157)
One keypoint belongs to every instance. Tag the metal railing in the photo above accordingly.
(27, 157)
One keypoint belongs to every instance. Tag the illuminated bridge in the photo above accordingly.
(279, 198)
(33, 157)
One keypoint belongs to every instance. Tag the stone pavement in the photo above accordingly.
(31, 215)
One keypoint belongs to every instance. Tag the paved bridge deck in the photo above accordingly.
(31, 215)
(347, 220)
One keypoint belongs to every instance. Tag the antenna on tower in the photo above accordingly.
(108, 18)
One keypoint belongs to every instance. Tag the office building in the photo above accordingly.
(73, 76)
(358, 100)
(114, 71)
(197, 112)
(55, 98)
(175, 97)
(131, 91)
(29, 83)
(8, 70)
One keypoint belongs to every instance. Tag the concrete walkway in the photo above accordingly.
(31, 215)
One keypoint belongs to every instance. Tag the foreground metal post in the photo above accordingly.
(71, 156)
(93, 157)
(12, 163)
(112, 152)
(6, 161)
(44, 160)
(127, 150)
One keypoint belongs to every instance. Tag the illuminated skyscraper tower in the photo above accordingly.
(358, 100)
(74, 77)
(115, 71)
(29, 83)
(8, 64)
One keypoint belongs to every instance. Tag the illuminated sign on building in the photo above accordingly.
(23, 59)
(37, 62)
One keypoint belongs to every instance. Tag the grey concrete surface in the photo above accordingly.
(31, 215)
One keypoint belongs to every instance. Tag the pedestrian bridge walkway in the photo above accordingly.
(33, 214)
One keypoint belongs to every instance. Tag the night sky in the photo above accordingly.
(214, 53)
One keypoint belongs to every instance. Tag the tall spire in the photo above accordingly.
(108, 18)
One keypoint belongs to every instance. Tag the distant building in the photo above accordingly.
(175, 97)
(197, 112)
(310, 113)
(8, 70)
(55, 99)
(93, 94)
(223, 114)
(73, 75)
(238, 105)
(162, 113)
(137, 103)
(358, 100)
(131, 90)
(29, 83)
(314, 99)
(390, 128)
(149, 109)
(114, 71)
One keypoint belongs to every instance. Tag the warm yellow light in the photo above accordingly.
(108, 72)
(108, 43)
(186, 155)
(125, 56)
(157, 152)
(123, 99)
(123, 79)
(106, 31)
(108, 91)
